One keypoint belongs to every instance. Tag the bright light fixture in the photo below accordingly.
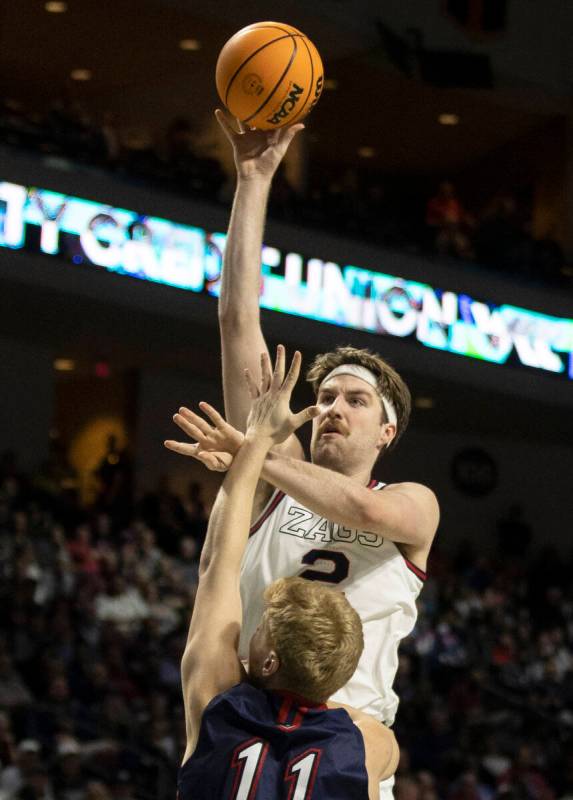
(81, 74)
(56, 7)
(64, 364)
(190, 44)
(449, 119)
(424, 402)
(366, 152)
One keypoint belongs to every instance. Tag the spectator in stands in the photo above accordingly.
(189, 171)
(122, 605)
(195, 510)
(180, 153)
(501, 239)
(70, 777)
(524, 778)
(115, 476)
(38, 786)
(448, 222)
(13, 692)
(26, 761)
(83, 554)
(111, 138)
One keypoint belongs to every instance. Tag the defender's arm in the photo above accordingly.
(210, 663)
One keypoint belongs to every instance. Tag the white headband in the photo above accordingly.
(365, 375)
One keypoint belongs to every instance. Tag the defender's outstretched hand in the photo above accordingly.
(270, 416)
(257, 153)
(216, 444)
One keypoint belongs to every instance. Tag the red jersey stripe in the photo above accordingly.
(419, 573)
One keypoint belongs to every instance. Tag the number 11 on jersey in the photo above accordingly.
(249, 759)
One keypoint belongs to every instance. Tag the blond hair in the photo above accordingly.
(316, 633)
(390, 384)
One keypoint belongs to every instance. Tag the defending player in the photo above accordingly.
(250, 735)
(325, 520)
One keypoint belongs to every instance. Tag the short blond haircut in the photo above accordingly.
(390, 384)
(316, 633)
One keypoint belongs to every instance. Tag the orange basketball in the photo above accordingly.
(269, 74)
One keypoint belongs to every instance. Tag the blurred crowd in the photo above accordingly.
(390, 210)
(95, 606)
(69, 131)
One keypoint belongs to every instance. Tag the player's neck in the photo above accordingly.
(277, 686)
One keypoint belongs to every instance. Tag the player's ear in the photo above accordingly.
(270, 664)
(387, 433)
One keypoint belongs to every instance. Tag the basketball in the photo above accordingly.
(268, 75)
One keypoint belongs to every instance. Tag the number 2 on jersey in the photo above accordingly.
(339, 561)
(249, 760)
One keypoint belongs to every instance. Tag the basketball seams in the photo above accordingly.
(303, 65)
(278, 83)
(311, 84)
(252, 55)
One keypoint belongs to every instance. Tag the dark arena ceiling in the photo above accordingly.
(140, 73)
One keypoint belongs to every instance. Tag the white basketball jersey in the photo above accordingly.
(289, 539)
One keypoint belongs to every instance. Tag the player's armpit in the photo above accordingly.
(381, 747)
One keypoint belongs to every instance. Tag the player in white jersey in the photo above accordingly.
(329, 525)
(289, 539)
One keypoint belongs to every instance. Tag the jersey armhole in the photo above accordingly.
(419, 573)
(272, 503)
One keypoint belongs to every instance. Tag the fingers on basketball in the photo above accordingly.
(226, 127)
(287, 134)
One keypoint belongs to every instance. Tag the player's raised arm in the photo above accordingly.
(257, 156)
(210, 663)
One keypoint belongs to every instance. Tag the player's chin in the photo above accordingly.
(327, 452)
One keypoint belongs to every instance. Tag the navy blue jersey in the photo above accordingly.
(259, 745)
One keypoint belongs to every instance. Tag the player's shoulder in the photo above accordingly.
(423, 502)
(242, 704)
(417, 491)
(382, 751)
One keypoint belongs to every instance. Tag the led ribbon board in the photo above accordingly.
(153, 249)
